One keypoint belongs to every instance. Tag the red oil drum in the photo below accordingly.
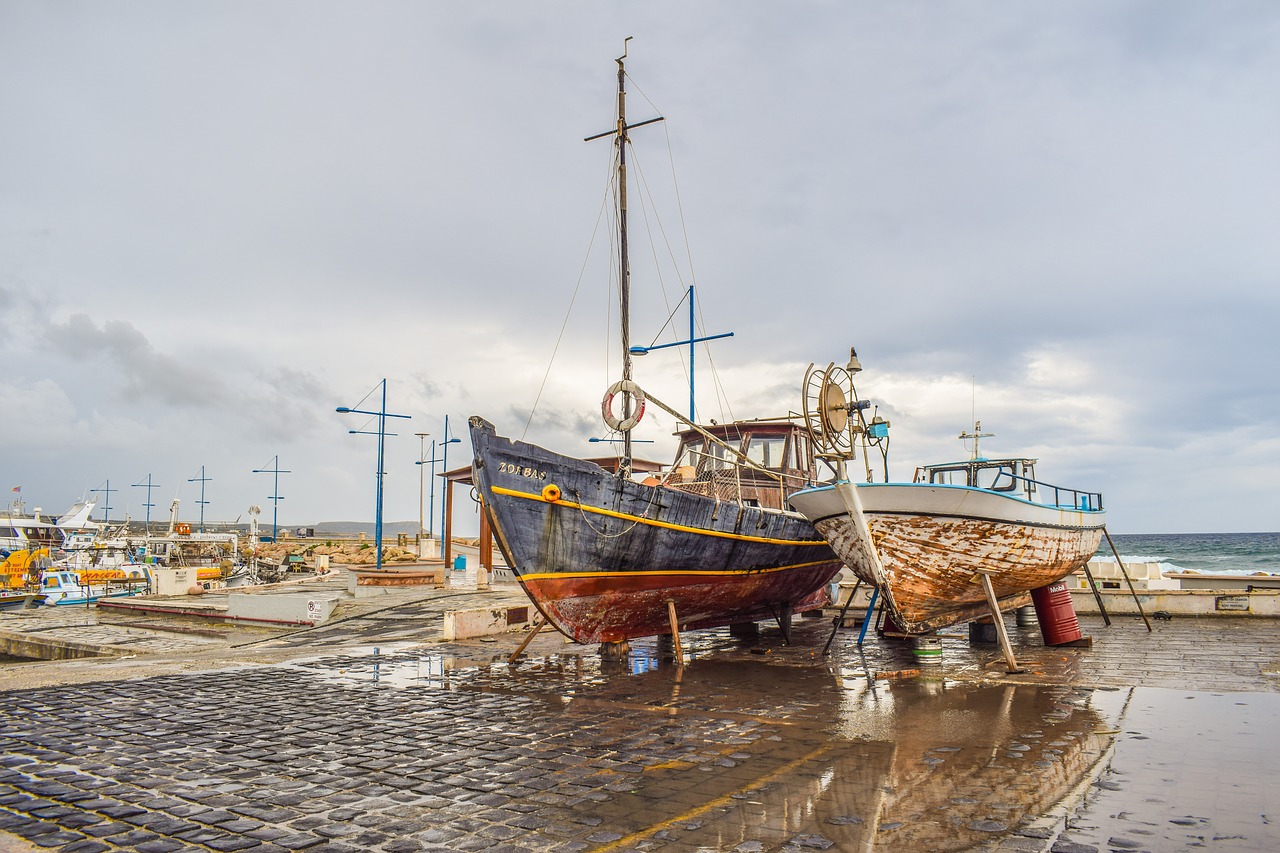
(1056, 615)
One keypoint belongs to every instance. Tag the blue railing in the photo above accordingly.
(1085, 501)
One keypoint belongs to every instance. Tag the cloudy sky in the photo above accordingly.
(220, 221)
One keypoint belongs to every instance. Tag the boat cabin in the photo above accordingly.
(1013, 476)
(712, 468)
(995, 475)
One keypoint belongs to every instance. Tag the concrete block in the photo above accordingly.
(174, 581)
(483, 622)
(281, 608)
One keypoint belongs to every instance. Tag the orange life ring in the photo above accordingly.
(551, 493)
(606, 406)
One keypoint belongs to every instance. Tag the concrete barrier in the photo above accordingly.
(1182, 602)
(43, 647)
(281, 608)
(483, 622)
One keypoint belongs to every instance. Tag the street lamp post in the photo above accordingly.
(202, 479)
(276, 496)
(422, 455)
(106, 501)
(148, 485)
(444, 469)
(382, 414)
(692, 340)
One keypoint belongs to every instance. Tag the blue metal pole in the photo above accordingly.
(382, 433)
(869, 616)
(431, 512)
(444, 464)
(691, 336)
(275, 501)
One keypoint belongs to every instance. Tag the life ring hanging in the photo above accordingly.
(606, 405)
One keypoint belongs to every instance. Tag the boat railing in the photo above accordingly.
(722, 479)
(1085, 501)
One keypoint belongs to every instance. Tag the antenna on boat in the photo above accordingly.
(631, 393)
(975, 435)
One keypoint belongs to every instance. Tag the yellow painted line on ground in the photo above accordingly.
(722, 800)
(662, 572)
(531, 496)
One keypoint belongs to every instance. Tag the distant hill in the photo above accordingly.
(350, 528)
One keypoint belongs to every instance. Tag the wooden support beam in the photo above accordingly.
(524, 644)
(1005, 645)
(675, 631)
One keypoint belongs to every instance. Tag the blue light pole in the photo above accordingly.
(276, 496)
(692, 340)
(382, 414)
(444, 468)
(106, 502)
(202, 479)
(148, 485)
(431, 506)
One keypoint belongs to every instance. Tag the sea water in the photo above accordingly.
(1207, 553)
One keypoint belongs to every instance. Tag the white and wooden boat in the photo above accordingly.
(926, 544)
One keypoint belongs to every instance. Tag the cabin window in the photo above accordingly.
(768, 451)
(52, 583)
(8, 532)
(717, 458)
(998, 479)
(689, 455)
(949, 476)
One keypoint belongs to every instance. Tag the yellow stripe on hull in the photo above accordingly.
(499, 490)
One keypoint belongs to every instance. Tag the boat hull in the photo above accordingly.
(601, 556)
(932, 540)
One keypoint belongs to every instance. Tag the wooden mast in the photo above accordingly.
(624, 264)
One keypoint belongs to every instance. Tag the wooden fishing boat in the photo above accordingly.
(926, 545)
(608, 555)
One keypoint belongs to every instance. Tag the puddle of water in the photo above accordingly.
(1189, 771)
(736, 753)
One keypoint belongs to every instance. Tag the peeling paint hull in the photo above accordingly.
(600, 556)
(931, 540)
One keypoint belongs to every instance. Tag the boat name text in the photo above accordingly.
(525, 471)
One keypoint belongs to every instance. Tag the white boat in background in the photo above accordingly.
(926, 545)
(21, 531)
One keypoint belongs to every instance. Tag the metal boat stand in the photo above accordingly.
(783, 618)
(870, 615)
(1125, 572)
(1005, 645)
(838, 622)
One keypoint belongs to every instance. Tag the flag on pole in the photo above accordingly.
(17, 488)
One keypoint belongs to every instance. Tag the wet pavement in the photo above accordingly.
(369, 734)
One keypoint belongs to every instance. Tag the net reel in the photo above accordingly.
(834, 416)
(827, 410)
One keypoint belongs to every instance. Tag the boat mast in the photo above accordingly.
(621, 139)
(624, 265)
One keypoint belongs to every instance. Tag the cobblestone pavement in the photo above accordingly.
(363, 737)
